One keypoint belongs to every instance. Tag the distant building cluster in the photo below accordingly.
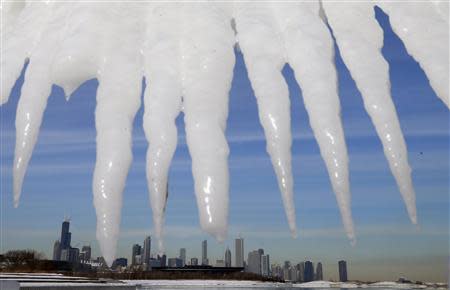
(63, 251)
(258, 262)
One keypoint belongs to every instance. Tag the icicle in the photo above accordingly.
(351, 23)
(117, 104)
(118, 99)
(162, 105)
(265, 57)
(32, 104)
(310, 53)
(207, 68)
(426, 38)
(33, 100)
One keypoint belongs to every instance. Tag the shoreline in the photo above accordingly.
(31, 280)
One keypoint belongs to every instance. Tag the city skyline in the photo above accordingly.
(142, 259)
(60, 173)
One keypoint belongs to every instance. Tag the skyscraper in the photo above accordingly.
(301, 271)
(146, 253)
(254, 262)
(183, 256)
(319, 273)
(239, 252)
(65, 235)
(286, 271)
(57, 251)
(308, 275)
(343, 271)
(205, 252)
(136, 251)
(265, 265)
(228, 258)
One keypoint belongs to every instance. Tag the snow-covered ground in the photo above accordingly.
(386, 284)
(42, 279)
(257, 284)
(206, 283)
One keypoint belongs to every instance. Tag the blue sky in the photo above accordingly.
(58, 182)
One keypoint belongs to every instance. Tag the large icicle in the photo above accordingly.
(264, 56)
(421, 29)
(30, 110)
(118, 99)
(207, 69)
(162, 105)
(33, 100)
(351, 23)
(310, 53)
(21, 31)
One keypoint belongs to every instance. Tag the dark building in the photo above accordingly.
(319, 272)
(135, 252)
(228, 258)
(194, 262)
(343, 271)
(74, 255)
(155, 263)
(65, 235)
(85, 254)
(205, 252)
(308, 274)
(119, 262)
(163, 260)
(57, 251)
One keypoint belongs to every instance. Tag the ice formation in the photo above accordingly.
(186, 53)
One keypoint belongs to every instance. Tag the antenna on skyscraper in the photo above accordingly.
(66, 218)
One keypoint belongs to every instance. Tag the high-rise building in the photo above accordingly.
(277, 271)
(65, 235)
(162, 260)
(183, 256)
(147, 249)
(86, 250)
(343, 271)
(287, 271)
(228, 258)
(239, 252)
(308, 274)
(254, 262)
(265, 265)
(319, 272)
(205, 252)
(301, 272)
(293, 274)
(194, 262)
(57, 251)
(136, 251)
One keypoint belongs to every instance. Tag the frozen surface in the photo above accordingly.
(186, 54)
